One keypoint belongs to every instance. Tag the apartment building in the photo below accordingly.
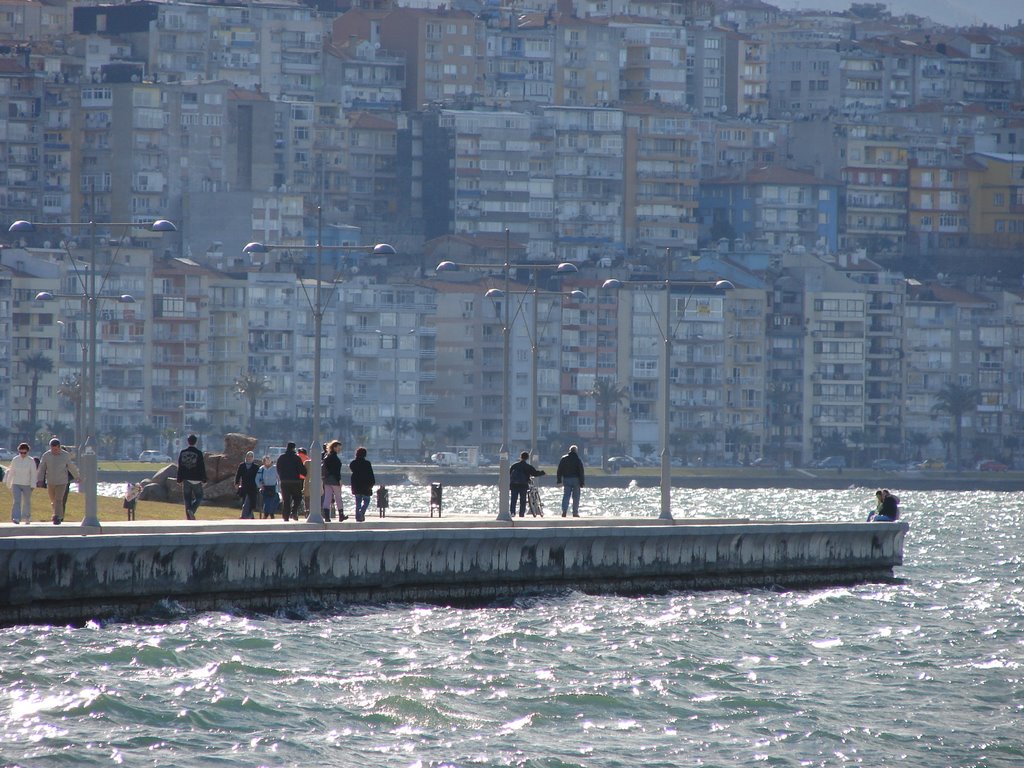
(588, 183)
(938, 197)
(772, 204)
(444, 52)
(386, 365)
(996, 195)
(661, 177)
(653, 62)
(179, 330)
(746, 76)
(696, 328)
(520, 59)
(586, 62)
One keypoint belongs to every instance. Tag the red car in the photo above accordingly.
(992, 466)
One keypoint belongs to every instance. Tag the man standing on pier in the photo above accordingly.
(570, 476)
(55, 467)
(191, 476)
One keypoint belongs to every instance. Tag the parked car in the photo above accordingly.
(990, 465)
(618, 462)
(764, 463)
(6, 454)
(831, 462)
(932, 464)
(886, 465)
(155, 457)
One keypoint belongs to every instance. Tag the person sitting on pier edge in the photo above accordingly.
(886, 508)
(570, 476)
(519, 475)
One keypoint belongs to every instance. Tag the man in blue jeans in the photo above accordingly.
(191, 476)
(570, 476)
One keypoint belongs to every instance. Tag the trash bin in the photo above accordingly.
(435, 498)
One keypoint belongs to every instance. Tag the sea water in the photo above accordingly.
(924, 672)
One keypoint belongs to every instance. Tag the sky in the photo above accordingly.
(952, 12)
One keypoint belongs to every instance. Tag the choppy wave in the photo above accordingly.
(925, 672)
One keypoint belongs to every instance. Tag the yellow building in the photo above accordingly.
(997, 199)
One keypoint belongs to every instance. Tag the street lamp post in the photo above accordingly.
(90, 299)
(394, 431)
(317, 307)
(503, 457)
(536, 293)
(665, 328)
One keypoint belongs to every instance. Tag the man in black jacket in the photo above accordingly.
(290, 472)
(570, 476)
(519, 475)
(191, 476)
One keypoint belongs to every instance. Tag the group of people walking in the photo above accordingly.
(283, 485)
(53, 470)
(570, 475)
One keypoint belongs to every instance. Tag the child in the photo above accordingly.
(382, 500)
(131, 496)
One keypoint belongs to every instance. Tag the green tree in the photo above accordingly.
(680, 442)
(707, 438)
(251, 386)
(455, 434)
(35, 364)
(70, 389)
(956, 401)
(201, 427)
(646, 450)
(607, 395)
(736, 439)
(426, 429)
(918, 441)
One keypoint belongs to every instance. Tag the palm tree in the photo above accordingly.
(738, 438)
(426, 429)
(397, 426)
(955, 401)
(607, 394)
(918, 441)
(251, 386)
(455, 433)
(70, 389)
(200, 426)
(36, 364)
(707, 438)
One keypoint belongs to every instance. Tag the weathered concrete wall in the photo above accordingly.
(71, 578)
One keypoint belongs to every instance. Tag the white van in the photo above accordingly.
(445, 458)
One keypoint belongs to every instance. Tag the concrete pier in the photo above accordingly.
(71, 575)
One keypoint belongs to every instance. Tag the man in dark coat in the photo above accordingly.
(519, 475)
(362, 482)
(290, 473)
(191, 476)
(570, 477)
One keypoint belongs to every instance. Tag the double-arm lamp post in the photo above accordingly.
(665, 329)
(536, 293)
(318, 305)
(503, 462)
(90, 297)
